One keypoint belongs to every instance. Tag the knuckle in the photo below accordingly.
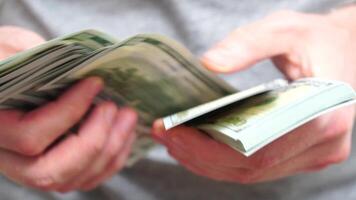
(289, 22)
(340, 156)
(262, 161)
(336, 131)
(335, 158)
(28, 146)
(94, 148)
(40, 181)
(112, 151)
(341, 125)
(74, 112)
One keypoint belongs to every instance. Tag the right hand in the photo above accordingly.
(32, 155)
(301, 45)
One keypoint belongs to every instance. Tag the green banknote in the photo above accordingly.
(249, 124)
(151, 73)
(154, 75)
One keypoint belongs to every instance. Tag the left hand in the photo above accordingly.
(38, 148)
(301, 45)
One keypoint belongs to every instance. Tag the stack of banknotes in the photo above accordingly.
(159, 77)
(250, 119)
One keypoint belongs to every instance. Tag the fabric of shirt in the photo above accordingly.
(198, 25)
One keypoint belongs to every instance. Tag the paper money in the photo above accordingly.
(159, 77)
(250, 124)
(151, 73)
(192, 113)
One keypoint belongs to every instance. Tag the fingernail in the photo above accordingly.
(215, 55)
(157, 131)
(218, 59)
(158, 127)
(128, 117)
(96, 82)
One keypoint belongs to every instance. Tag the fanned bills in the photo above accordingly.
(151, 73)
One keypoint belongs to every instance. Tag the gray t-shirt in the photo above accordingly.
(197, 24)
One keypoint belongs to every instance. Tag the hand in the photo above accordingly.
(300, 45)
(37, 149)
(15, 39)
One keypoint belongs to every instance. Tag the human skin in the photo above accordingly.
(79, 161)
(300, 45)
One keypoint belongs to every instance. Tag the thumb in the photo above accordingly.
(16, 39)
(158, 131)
(248, 45)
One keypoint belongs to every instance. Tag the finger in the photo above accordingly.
(31, 133)
(221, 172)
(326, 128)
(67, 159)
(16, 39)
(316, 158)
(209, 169)
(200, 146)
(202, 171)
(206, 150)
(178, 151)
(252, 43)
(215, 172)
(116, 165)
(120, 132)
(292, 67)
(158, 131)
